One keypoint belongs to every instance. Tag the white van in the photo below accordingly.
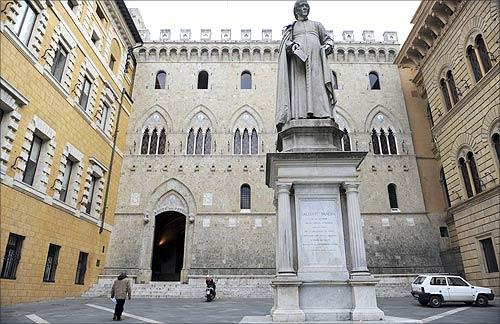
(433, 290)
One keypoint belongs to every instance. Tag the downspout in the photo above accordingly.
(130, 55)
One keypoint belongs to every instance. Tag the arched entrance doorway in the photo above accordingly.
(168, 246)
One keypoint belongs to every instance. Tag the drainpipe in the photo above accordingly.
(130, 55)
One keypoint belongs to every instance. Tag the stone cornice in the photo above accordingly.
(475, 200)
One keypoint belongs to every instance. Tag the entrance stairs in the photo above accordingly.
(226, 287)
(258, 286)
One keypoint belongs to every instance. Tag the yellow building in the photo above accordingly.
(452, 56)
(66, 80)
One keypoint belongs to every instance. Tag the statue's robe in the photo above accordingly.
(305, 89)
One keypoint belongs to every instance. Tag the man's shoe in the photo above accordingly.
(114, 318)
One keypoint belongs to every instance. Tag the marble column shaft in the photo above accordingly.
(356, 239)
(285, 239)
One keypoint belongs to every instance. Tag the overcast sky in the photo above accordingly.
(338, 16)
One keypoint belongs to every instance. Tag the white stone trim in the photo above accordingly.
(40, 128)
(70, 152)
(10, 101)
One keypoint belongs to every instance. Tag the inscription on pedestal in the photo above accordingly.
(319, 232)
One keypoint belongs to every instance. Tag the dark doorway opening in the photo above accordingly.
(168, 248)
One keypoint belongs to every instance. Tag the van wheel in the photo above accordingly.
(481, 301)
(435, 301)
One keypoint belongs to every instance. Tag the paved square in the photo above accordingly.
(100, 310)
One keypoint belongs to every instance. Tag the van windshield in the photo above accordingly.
(419, 280)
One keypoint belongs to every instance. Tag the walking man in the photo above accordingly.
(121, 288)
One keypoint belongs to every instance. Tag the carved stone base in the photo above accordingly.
(310, 135)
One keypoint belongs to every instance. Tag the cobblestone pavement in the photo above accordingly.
(100, 310)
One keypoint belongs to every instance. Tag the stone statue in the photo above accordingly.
(305, 81)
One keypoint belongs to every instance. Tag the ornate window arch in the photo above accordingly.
(246, 138)
(344, 127)
(383, 138)
(468, 171)
(199, 140)
(154, 136)
(160, 81)
(477, 55)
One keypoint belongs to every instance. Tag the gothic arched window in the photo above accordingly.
(465, 177)
(145, 142)
(255, 142)
(446, 95)
(335, 81)
(392, 142)
(473, 171)
(237, 142)
(190, 142)
(246, 80)
(199, 142)
(162, 142)
(474, 63)
(483, 53)
(208, 142)
(154, 142)
(383, 142)
(393, 198)
(203, 80)
(245, 196)
(453, 87)
(161, 78)
(375, 142)
(346, 141)
(374, 81)
(245, 142)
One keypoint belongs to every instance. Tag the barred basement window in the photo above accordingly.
(49, 275)
(25, 21)
(81, 268)
(59, 62)
(12, 256)
(443, 230)
(245, 196)
(489, 255)
(33, 158)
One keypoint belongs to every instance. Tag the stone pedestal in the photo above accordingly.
(313, 282)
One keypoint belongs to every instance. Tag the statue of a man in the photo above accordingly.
(305, 81)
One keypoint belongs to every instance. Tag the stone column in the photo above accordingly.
(284, 251)
(356, 239)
